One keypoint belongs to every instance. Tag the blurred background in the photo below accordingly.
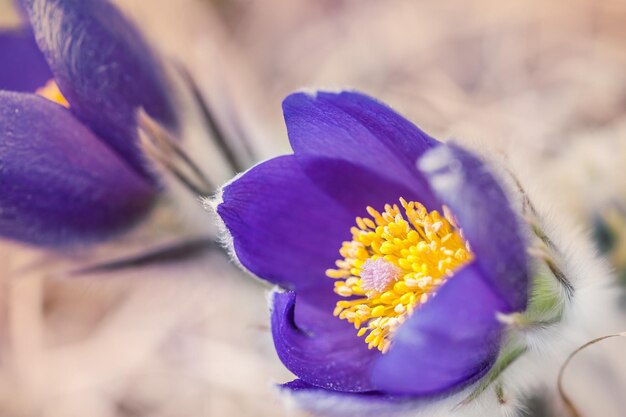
(544, 78)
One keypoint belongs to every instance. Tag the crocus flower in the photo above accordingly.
(71, 85)
(394, 253)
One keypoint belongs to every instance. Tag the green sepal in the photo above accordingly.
(547, 300)
(545, 308)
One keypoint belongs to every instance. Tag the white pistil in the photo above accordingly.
(377, 275)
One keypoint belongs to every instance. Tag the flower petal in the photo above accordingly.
(489, 223)
(284, 229)
(103, 67)
(319, 348)
(358, 129)
(449, 342)
(23, 66)
(356, 187)
(60, 184)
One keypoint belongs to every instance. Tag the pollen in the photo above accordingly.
(395, 262)
(51, 92)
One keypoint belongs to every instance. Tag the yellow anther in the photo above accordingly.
(395, 262)
(343, 291)
(352, 281)
(387, 247)
(369, 223)
(337, 273)
(51, 92)
(399, 309)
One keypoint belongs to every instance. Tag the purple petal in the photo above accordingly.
(489, 223)
(450, 342)
(319, 348)
(284, 229)
(356, 187)
(358, 129)
(300, 385)
(23, 66)
(288, 216)
(103, 67)
(60, 184)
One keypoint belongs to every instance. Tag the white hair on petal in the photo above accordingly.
(211, 204)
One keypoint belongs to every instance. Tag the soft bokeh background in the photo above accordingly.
(190, 338)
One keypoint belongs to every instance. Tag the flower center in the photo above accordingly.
(377, 274)
(395, 263)
(51, 92)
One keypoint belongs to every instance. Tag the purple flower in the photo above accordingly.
(70, 166)
(394, 252)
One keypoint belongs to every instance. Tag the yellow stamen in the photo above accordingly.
(396, 261)
(51, 92)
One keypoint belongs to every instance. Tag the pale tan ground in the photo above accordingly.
(544, 79)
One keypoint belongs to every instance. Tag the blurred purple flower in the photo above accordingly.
(288, 217)
(71, 168)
